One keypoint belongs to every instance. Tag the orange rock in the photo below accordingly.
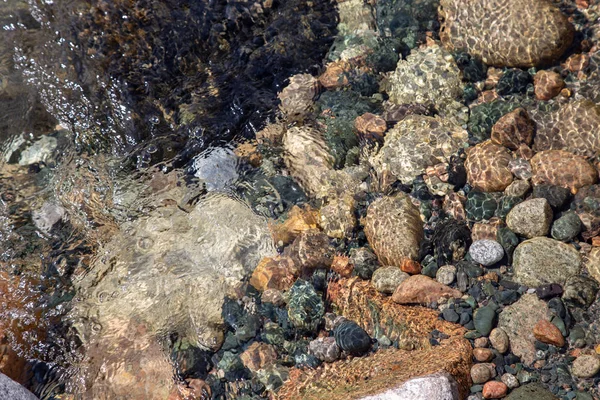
(370, 126)
(342, 266)
(258, 355)
(311, 250)
(410, 266)
(494, 390)
(274, 273)
(298, 221)
(483, 354)
(546, 332)
(513, 129)
(547, 84)
(249, 152)
(420, 289)
(334, 75)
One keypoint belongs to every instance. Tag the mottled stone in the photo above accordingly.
(480, 206)
(592, 263)
(370, 126)
(541, 260)
(416, 143)
(439, 386)
(258, 355)
(10, 389)
(487, 167)
(513, 129)
(580, 291)
(530, 218)
(274, 273)
(562, 168)
(420, 289)
(547, 84)
(517, 319)
(342, 266)
(586, 366)
(428, 76)
(480, 373)
(532, 391)
(521, 167)
(394, 229)
(305, 307)
(446, 274)
(510, 380)
(364, 262)
(546, 332)
(337, 216)
(351, 338)
(297, 98)
(494, 390)
(387, 279)
(566, 227)
(486, 252)
(325, 349)
(557, 196)
(483, 355)
(311, 250)
(466, 26)
(335, 75)
(519, 188)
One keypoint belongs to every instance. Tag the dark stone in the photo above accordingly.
(462, 280)
(532, 391)
(450, 315)
(303, 359)
(248, 327)
(232, 313)
(509, 241)
(506, 204)
(480, 206)
(485, 319)
(548, 291)
(430, 269)
(580, 291)
(483, 116)
(305, 308)
(472, 68)
(566, 227)
(557, 306)
(465, 318)
(506, 297)
(513, 81)
(364, 261)
(352, 338)
(451, 239)
(557, 196)
(472, 269)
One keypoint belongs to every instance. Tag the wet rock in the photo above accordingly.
(297, 98)
(517, 319)
(375, 374)
(274, 273)
(446, 274)
(586, 366)
(311, 250)
(532, 391)
(530, 218)
(439, 386)
(258, 356)
(486, 252)
(513, 129)
(480, 373)
(386, 279)
(485, 319)
(370, 126)
(298, 220)
(420, 289)
(487, 167)
(548, 291)
(580, 291)
(40, 151)
(351, 338)
(484, 116)
(466, 28)
(540, 261)
(557, 196)
(335, 75)
(567, 227)
(271, 135)
(337, 216)
(411, 267)
(483, 355)
(10, 389)
(305, 307)
(364, 262)
(47, 216)
(546, 332)
(519, 188)
(394, 229)
(494, 390)
(216, 168)
(593, 263)
(510, 380)
(416, 143)
(342, 266)
(562, 168)
(325, 349)
(451, 238)
(427, 76)
(509, 241)
(273, 296)
(521, 167)
(513, 81)
(480, 206)
(547, 84)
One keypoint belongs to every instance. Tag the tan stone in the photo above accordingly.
(487, 167)
(342, 266)
(562, 168)
(370, 126)
(297, 221)
(546, 332)
(420, 289)
(274, 273)
(334, 75)
(483, 354)
(547, 84)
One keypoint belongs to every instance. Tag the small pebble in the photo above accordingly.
(499, 340)
(566, 227)
(494, 390)
(481, 342)
(586, 366)
(486, 252)
(546, 332)
(548, 291)
(386, 279)
(510, 381)
(483, 355)
(480, 373)
(446, 274)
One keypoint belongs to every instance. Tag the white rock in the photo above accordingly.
(440, 386)
(486, 252)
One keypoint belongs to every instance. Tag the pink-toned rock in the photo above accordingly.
(494, 390)
(420, 289)
(482, 354)
(258, 356)
(547, 84)
(546, 332)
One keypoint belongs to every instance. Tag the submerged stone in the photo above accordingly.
(305, 307)
(352, 338)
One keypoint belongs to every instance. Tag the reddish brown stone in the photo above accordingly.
(420, 289)
(274, 273)
(311, 250)
(487, 167)
(577, 63)
(562, 168)
(483, 354)
(258, 355)
(342, 266)
(334, 75)
(547, 84)
(249, 153)
(370, 126)
(494, 390)
(546, 332)
(513, 129)
(410, 266)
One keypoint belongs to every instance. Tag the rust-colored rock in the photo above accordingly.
(546, 332)
(410, 266)
(274, 273)
(547, 84)
(487, 167)
(249, 153)
(562, 168)
(311, 250)
(258, 355)
(513, 129)
(385, 369)
(342, 266)
(377, 314)
(420, 289)
(370, 126)
(494, 390)
(394, 229)
(298, 221)
(334, 75)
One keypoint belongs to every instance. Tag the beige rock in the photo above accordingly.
(298, 220)
(420, 289)
(530, 218)
(487, 167)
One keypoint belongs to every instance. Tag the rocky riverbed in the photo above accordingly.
(416, 217)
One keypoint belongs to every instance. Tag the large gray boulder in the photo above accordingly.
(440, 386)
(11, 390)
